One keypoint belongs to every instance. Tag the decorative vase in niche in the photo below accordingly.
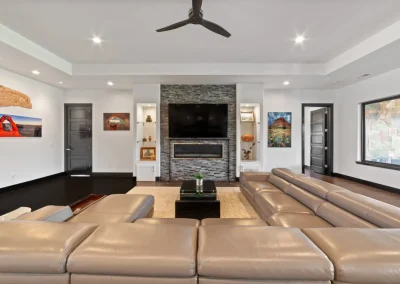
(149, 119)
(150, 138)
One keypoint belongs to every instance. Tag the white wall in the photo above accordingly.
(307, 133)
(348, 146)
(25, 159)
(112, 150)
(291, 101)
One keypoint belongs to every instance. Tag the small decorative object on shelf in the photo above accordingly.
(149, 119)
(150, 138)
(144, 139)
(199, 179)
(247, 116)
(148, 153)
(248, 138)
(247, 153)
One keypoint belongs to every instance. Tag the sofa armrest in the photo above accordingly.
(254, 176)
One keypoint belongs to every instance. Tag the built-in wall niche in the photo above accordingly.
(146, 131)
(250, 132)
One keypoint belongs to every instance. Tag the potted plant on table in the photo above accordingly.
(199, 179)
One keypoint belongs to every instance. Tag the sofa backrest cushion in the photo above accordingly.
(377, 212)
(39, 247)
(316, 186)
(341, 218)
(254, 176)
(308, 199)
(286, 174)
(279, 182)
(49, 214)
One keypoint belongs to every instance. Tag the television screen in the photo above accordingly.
(198, 120)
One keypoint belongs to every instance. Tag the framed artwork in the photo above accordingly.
(247, 116)
(117, 121)
(280, 129)
(148, 153)
(20, 126)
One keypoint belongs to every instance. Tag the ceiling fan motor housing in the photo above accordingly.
(195, 19)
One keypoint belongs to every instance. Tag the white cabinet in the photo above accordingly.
(145, 172)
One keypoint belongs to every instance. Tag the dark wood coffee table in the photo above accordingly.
(196, 204)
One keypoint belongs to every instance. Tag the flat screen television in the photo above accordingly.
(198, 120)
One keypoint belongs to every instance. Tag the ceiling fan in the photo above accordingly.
(196, 18)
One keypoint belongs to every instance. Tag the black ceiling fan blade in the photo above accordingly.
(215, 28)
(197, 6)
(174, 26)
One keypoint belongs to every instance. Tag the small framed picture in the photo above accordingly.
(148, 153)
(247, 116)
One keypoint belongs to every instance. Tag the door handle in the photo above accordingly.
(69, 149)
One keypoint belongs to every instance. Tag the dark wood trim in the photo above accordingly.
(372, 163)
(331, 137)
(158, 178)
(379, 165)
(124, 175)
(31, 182)
(306, 167)
(369, 183)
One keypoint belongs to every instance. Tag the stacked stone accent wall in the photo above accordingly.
(184, 169)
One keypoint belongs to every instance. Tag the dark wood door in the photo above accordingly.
(318, 140)
(78, 142)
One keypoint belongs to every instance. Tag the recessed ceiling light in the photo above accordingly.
(286, 83)
(149, 105)
(60, 82)
(299, 39)
(36, 72)
(97, 40)
(110, 83)
(247, 105)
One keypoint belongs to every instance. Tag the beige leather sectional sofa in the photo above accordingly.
(181, 251)
(286, 199)
(117, 208)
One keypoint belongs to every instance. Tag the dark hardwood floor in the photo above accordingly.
(62, 190)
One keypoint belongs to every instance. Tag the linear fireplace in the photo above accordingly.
(198, 151)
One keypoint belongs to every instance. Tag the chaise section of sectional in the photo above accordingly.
(136, 254)
(117, 208)
(37, 252)
(361, 256)
(260, 254)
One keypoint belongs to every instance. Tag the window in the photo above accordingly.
(381, 133)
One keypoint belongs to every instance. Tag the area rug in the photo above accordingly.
(233, 202)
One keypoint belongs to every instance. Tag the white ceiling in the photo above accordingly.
(262, 33)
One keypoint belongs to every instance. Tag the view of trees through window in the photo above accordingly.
(382, 131)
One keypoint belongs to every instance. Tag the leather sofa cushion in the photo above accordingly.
(377, 212)
(341, 218)
(39, 247)
(361, 255)
(233, 222)
(308, 199)
(271, 203)
(169, 221)
(137, 250)
(10, 278)
(245, 281)
(254, 176)
(253, 187)
(106, 279)
(286, 174)
(49, 213)
(293, 220)
(315, 186)
(101, 218)
(137, 205)
(279, 182)
(260, 253)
